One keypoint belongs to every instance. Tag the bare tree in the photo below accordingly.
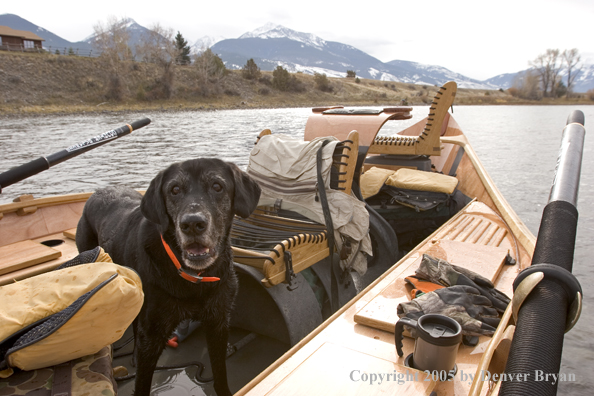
(111, 40)
(525, 85)
(210, 70)
(158, 46)
(547, 66)
(571, 58)
(210, 66)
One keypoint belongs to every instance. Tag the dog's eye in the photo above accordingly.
(217, 187)
(175, 190)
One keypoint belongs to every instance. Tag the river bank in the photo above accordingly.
(59, 84)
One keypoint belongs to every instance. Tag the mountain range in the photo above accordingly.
(272, 45)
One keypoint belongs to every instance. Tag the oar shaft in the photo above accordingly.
(567, 175)
(537, 345)
(29, 169)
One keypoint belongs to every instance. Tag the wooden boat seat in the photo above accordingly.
(281, 244)
(478, 240)
(339, 122)
(426, 142)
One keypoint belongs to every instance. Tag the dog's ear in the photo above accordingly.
(247, 192)
(152, 205)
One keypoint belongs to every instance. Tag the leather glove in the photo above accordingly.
(464, 304)
(441, 272)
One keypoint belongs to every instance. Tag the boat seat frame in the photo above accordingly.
(281, 244)
(426, 142)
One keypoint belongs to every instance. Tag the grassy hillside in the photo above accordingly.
(45, 83)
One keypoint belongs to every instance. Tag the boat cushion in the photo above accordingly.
(410, 179)
(68, 313)
(413, 179)
(373, 180)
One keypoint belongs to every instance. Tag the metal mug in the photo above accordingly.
(436, 343)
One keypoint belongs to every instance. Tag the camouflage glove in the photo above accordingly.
(444, 273)
(461, 303)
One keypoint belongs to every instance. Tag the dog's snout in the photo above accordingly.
(193, 223)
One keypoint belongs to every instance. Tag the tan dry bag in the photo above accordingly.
(74, 311)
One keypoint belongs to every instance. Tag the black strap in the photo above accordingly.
(329, 227)
(62, 385)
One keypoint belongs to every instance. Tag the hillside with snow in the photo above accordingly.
(275, 45)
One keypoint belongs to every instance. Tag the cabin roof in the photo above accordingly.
(25, 35)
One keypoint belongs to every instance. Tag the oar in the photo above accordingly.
(547, 297)
(29, 169)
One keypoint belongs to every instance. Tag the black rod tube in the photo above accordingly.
(537, 346)
(29, 169)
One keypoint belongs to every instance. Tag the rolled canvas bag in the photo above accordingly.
(66, 314)
(286, 170)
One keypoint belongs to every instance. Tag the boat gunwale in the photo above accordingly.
(64, 199)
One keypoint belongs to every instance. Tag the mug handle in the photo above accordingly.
(398, 337)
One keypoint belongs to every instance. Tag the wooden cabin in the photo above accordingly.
(19, 40)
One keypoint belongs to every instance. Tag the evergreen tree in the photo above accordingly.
(183, 57)
(250, 70)
(281, 79)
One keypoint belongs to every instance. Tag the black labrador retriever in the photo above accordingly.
(188, 209)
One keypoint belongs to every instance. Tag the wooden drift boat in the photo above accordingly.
(348, 350)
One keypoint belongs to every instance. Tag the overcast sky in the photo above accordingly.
(475, 38)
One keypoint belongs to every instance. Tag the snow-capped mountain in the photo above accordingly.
(271, 30)
(585, 79)
(582, 83)
(135, 33)
(205, 42)
(419, 73)
(272, 45)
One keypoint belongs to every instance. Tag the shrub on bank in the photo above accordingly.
(322, 82)
(285, 82)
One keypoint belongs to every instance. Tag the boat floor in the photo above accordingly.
(242, 366)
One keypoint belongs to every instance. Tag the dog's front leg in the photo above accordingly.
(217, 335)
(149, 342)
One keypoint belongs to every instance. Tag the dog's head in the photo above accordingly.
(197, 200)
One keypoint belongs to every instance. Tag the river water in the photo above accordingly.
(518, 145)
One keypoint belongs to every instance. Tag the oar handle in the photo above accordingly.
(29, 169)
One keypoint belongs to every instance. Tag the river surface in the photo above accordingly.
(518, 145)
